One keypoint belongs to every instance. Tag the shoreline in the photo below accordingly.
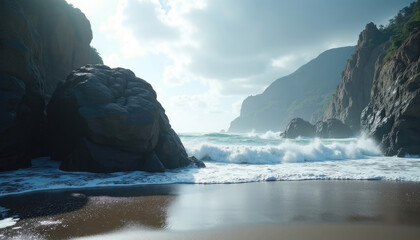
(111, 187)
(197, 208)
(45, 176)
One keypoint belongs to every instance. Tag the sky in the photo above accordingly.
(204, 57)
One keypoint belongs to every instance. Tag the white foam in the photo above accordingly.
(310, 150)
(44, 176)
(270, 135)
(236, 159)
(49, 222)
(7, 221)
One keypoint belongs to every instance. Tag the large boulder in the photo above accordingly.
(393, 114)
(298, 127)
(41, 42)
(332, 128)
(107, 120)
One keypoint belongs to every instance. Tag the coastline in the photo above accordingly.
(45, 173)
(185, 210)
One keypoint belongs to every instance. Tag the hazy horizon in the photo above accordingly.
(204, 57)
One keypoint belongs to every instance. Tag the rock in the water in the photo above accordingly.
(197, 162)
(106, 120)
(299, 127)
(393, 114)
(332, 128)
(41, 42)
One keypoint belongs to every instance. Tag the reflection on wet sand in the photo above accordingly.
(183, 208)
(75, 213)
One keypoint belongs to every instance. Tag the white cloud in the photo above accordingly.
(216, 52)
(112, 60)
(283, 61)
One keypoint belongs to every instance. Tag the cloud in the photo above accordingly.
(226, 40)
(233, 48)
(148, 22)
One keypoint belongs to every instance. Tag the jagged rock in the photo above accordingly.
(299, 127)
(106, 120)
(332, 128)
(393, 114)
(353, 92)
(41, 42)
(197, 162)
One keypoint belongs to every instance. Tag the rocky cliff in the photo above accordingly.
(393, 114)
(353, 92)
(304, 93)
(380, 86)
(41, 42)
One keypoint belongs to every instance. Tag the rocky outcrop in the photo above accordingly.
(12, 91)
(393, 114)
(305, 93)
(108, 120)
(298, 128)
(332, 128)
(353, 92)
(41, 42)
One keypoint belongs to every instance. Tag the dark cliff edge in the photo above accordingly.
(59, 100)
(353, 92)
(379, 93)
(304, 93)
(393, 114)
(41, 42)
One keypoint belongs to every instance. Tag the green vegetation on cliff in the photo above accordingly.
(400, 27)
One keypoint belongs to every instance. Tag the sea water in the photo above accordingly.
(236, 158)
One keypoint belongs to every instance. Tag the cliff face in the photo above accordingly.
(383, 79)
(304, 93)
(393, 114)
(63, 35)
(41, 42)
(353, 92)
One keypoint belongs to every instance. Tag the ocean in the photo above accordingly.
(236, 158)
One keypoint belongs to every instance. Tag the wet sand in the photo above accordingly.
(267, 210)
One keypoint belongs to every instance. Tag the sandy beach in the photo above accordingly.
(267, 210)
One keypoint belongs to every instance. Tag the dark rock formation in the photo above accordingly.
(353, 92)
(298, 127)
(393, 114)
(12, 91)
(305, 93)
(107, 120)
(332, 128)
(197, 162)
(40, 43)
